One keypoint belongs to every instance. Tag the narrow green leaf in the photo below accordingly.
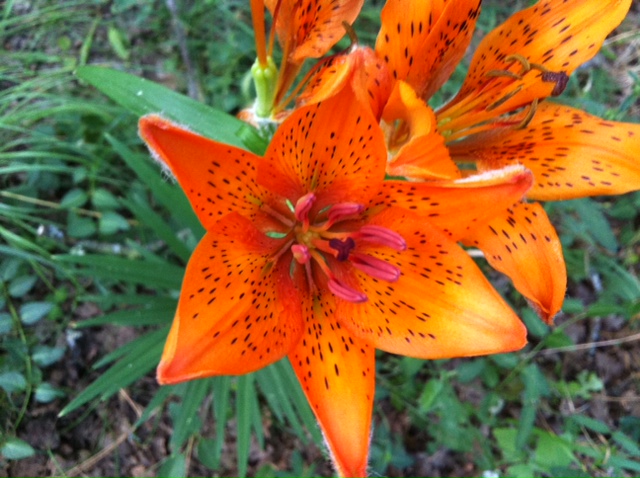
(142, 97)
(244, 412)
(299, 400)
(151, 219)
(627, 443)
(221, 409)
(158, 311)
(590, 423)
(165, 276)
(186, 420)
(137, 363)
(138, 343)
(278, 396)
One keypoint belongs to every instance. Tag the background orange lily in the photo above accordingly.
(497, 119)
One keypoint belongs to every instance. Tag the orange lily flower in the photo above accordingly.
(496, 119)
(311, 254)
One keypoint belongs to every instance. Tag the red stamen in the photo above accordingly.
(375, 267)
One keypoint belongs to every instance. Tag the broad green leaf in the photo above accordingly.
(430, 392)
(221, 409)
(142, 97)
(506, 439)
(44, 355)
(12, 382)
(79, 226)
(551, 450)
(174, 467)
(6, 323)
(46, 393)
(74, 198)
(21, 285)
(111, 222)
(32, 312)
(104, 199)
(16, 449)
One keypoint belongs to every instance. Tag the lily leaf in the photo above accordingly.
(142, 97)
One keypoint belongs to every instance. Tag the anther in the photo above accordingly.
(383, 236)
(301, 253)
(303, 207)
(560, 78)
(341, 211)
(375, 267)
(345, 292)
(344, 247)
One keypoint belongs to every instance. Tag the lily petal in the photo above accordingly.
(523, 244)
(456, 207)
(571, 153)
(337, 373)
(216, 178)
(309, 28)
(361, 67)
(423, 41)
(558, 34)
(334, 149)
(235, 314)
(421, 153)
(442, 306)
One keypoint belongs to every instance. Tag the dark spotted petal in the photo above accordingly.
(441, 306)
(236, 313)
(572, 154)
(337, 373)
(523, 244)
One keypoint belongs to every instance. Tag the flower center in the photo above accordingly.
(330, 242)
